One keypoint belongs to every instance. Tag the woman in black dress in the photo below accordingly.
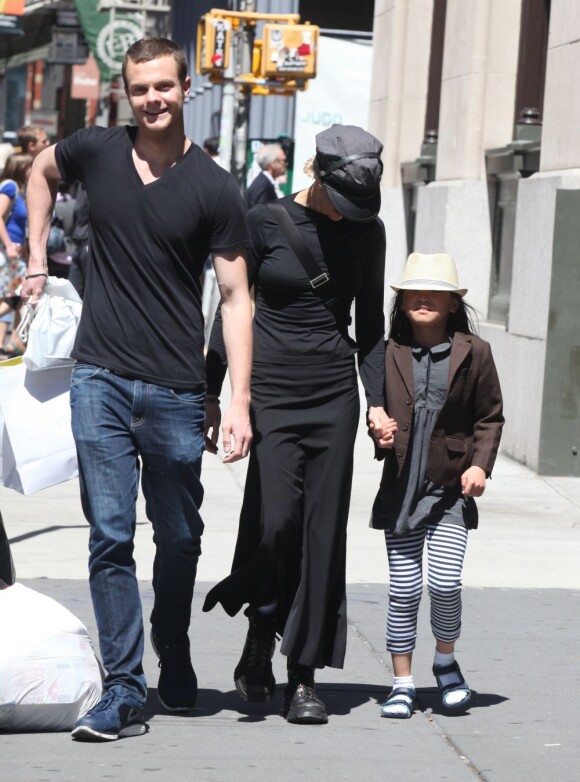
(289, 563)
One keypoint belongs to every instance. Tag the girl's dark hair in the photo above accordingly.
(400, 326)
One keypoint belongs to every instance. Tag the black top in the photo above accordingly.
(260, 191)
(291, 324)
(142, 312)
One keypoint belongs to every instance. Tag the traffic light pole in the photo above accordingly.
(244, 43)
(280, 64)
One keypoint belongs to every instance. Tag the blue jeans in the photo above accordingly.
(119, 426)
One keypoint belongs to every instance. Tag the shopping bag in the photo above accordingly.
(37, 446)
(49, 326)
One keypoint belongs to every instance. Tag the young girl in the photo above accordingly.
(443, 391)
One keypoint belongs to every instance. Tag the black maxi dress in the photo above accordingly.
(291, 545)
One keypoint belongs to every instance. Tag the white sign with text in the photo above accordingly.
(339, 94)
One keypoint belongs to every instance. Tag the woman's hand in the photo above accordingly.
(12, 251)
(382, 428)
(473, 482)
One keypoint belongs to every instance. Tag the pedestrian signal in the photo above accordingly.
(289, 51)
(213, 45)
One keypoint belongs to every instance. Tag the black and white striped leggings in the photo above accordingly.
(446, 545)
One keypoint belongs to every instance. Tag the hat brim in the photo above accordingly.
(428, 285)
(359, 210)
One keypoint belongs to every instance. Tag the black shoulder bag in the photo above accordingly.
(320, 281)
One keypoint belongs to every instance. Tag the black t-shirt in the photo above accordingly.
(292, 325)
(142, 312)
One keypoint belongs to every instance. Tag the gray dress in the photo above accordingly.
(414, 500)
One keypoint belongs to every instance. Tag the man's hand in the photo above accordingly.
(383, 429)
(236, 433)
(33, 286)
(213, 417)
(473, 482)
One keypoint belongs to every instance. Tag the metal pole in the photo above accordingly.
(243, 97)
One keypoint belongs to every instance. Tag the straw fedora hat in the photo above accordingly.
(435, 272)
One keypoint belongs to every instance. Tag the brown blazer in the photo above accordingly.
(468, 428)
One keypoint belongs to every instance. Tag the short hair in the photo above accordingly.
(152, 48)
(29, 134)
(212, 145)
(16, 167)
(267, 154)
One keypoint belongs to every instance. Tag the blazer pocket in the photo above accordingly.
(456, 444)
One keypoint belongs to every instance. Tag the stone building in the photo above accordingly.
(478, 105)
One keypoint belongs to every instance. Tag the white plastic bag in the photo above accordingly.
(49, 675)
(49, 326)
(37, 448)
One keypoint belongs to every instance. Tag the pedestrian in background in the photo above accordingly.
(32, 140)
(272, 161)
(14, 249)
(158, 207)
(289, 563)
(443, 391)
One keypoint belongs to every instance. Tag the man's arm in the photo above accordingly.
(40, 198)
(232, 278)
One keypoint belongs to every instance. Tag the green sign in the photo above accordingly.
(108, 37)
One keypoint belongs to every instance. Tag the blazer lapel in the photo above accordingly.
(404, 361)
(460, 347)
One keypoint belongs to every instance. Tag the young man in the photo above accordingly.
(158, 207)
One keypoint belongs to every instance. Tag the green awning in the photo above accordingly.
(108, 36)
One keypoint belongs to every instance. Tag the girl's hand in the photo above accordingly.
(382, 428)
(473, 482)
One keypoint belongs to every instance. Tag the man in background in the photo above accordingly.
(271, 158)
(32, 140)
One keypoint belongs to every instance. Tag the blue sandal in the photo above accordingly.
(456, 686)
(404, 698)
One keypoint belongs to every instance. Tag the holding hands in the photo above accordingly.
(382, 428)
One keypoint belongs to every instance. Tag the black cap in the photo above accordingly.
(348, 165)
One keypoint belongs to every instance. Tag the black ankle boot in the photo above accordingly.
(253, 676)
(301, 703)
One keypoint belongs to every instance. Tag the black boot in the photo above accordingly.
(177, 687)
(301, 703)
(253, 676)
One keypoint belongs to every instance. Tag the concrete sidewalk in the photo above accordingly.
(519, 651)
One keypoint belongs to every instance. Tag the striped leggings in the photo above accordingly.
(446, 545)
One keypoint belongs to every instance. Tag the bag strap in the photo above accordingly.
(320, 281)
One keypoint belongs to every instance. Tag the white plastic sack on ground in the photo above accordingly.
(49, 675)
(49, 327)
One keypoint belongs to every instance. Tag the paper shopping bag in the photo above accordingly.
(38, 449)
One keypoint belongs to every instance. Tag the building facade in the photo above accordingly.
(476, 103)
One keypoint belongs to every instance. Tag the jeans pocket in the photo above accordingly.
(83, 372)
(187, 397)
